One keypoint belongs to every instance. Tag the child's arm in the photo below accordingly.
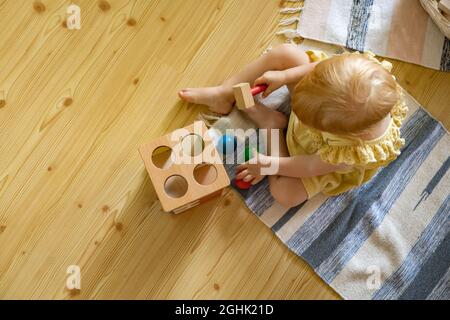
(302, 166)
(277, 79)
(294, 75)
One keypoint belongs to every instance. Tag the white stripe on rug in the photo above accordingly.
(286, 232)
(380, 19)
(273, 214)
(340, 11)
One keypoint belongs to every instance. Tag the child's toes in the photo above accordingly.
(184, 94)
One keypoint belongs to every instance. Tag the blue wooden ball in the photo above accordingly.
(227, 144)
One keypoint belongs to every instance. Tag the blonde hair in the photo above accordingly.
(346, 94)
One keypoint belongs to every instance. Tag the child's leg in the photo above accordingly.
(220, 99)
(282, 57)
(287, 191)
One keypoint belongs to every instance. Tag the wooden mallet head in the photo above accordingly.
(244, 94)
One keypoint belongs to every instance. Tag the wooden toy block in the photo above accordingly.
(185, 168)
(243, 95)
(444, 5)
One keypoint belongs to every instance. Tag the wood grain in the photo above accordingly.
(74, 108)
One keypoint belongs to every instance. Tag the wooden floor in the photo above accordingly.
(75, 106)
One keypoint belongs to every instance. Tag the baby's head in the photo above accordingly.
(347, 94)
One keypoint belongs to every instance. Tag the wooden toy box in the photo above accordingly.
(185, 168)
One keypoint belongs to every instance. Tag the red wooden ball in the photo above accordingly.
(241, 184)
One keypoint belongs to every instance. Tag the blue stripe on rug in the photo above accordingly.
(332, 221)
(332, 250)
(358, 24)
(442, 290)
(286, 217)
(319, 221)
(428, 246)
(257, 198)
(445, 58)
(431, 273)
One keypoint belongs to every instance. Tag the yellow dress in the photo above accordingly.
(364, 156)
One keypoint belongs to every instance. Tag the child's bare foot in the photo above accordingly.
(218, 99)
(266, 118)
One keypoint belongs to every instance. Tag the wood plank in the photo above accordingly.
(73, 189)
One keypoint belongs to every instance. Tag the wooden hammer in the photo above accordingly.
(244, 94)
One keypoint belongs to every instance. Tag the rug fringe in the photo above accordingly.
(291, 10)
(290, 34)
(286, 22)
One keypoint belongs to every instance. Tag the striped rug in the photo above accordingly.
(388, 239)
(399, 29)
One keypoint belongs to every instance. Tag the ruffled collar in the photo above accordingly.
(336, 149)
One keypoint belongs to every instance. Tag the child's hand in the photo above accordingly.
(273, 79)
(251, 170)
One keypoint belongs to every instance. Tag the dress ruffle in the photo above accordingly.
(378, 151)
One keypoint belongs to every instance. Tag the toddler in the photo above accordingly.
(344, 125)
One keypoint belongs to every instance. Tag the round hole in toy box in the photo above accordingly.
(162, 157)
(176, 186)
(205, 173)
(192, 145)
